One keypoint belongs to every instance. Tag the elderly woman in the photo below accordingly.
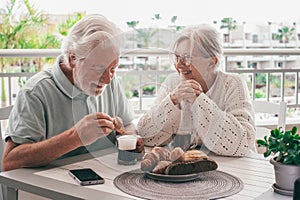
(213, 106)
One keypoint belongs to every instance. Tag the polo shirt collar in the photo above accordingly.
(63, 82)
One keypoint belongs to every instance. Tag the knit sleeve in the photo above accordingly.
(228, 131)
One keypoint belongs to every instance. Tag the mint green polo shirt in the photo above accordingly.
(49, 104)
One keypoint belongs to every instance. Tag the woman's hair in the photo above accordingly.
(204, 38)
(86, 34)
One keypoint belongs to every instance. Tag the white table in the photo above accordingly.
(54, 182)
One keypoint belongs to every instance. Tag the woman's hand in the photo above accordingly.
(187, 90)
(140, 148)
(119, 127)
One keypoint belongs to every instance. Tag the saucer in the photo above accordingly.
(282, 191)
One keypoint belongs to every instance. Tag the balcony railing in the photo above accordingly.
(231, 57)
(283, 55)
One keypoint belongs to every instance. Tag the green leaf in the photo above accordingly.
(261, 143)
(297, 159)
(284, 144)
(288, 159)
(277, 133)
(294, 130)
(267, 153)
(273, 133)
(287, 137)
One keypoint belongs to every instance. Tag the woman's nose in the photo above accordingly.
(181, 66)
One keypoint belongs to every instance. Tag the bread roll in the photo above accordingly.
(191, 167)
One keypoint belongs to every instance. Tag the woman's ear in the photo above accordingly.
(214, 61)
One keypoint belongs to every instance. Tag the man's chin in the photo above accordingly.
(98, 93)
(95, 92)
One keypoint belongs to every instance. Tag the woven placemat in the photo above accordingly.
(209, 185)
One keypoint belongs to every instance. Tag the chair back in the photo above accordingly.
(4, 114)
(276, 109)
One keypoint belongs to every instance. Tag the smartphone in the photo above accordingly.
(86, 176)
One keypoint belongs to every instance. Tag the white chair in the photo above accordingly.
(278, 109)
(4, 114)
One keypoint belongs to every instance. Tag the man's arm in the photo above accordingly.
(40, 153)
(85, 132)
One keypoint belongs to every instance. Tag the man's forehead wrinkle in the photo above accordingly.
(103, 57)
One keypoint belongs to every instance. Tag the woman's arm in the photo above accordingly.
(229, 131)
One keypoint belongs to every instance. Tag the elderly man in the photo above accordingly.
(69, 109)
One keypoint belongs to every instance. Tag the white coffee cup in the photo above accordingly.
(127, 142)
(126, 149)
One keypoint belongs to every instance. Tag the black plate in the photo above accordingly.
(172, 178)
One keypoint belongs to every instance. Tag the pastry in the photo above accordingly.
(193, 155)
(177, 162)
(161, 166)
(177, 154)
(151, 159)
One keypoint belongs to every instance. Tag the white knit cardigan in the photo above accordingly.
(223, 118)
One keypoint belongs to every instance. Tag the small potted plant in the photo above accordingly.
(285, 148)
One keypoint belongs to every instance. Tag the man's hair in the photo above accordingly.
(86, 34)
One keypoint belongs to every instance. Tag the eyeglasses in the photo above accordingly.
(183, 59)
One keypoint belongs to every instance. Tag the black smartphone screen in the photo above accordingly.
(86, 176)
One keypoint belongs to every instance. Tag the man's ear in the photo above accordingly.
(72, 60)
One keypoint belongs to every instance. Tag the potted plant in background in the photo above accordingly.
(148, 90)
(285, 148)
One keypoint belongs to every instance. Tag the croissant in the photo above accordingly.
(153, 157)
(177, 154)
(161, 167)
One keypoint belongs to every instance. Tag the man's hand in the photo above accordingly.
(94, 126)
(118, 125)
